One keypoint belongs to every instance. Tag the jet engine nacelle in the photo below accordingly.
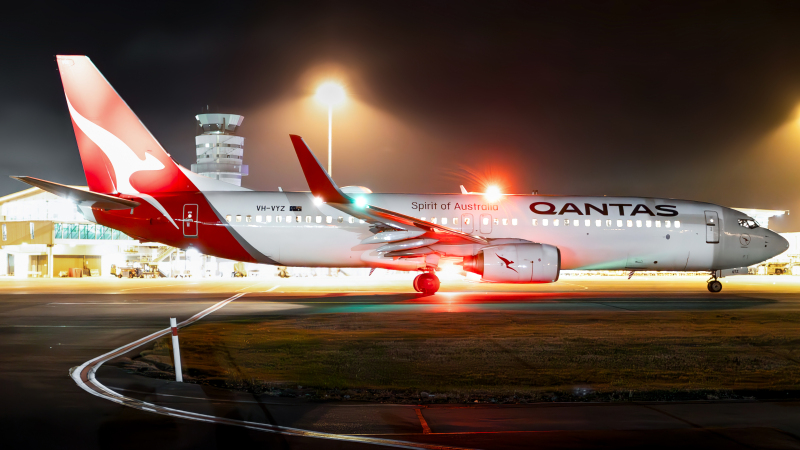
(516, 263)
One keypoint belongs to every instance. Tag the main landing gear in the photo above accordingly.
(714, 285)
(427, 283)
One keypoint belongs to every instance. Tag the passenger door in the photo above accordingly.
(466, 223)
(712, 227)
(486, 223)
(190, 220)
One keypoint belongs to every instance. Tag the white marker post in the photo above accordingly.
(176, 351)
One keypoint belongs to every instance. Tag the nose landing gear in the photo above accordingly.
(427, 283)
(714, 285)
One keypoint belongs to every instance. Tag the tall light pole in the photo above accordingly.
(330, 94)
(330, 141)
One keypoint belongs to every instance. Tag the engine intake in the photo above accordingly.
(516, 263)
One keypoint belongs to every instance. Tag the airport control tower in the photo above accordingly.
(219, 149)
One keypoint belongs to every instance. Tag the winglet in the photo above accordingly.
(321, 184)
(463, 190)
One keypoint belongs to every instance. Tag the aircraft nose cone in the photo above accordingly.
(776, 244)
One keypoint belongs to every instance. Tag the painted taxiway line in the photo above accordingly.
(248, 287)
(85, 377)
(573, 284)
(134, 303)
(147, 287)
(273, 288)
(63, 326)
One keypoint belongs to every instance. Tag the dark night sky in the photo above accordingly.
(695, 100)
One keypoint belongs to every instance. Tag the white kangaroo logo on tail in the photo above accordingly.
(123, 159)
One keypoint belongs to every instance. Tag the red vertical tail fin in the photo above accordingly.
(118, 153)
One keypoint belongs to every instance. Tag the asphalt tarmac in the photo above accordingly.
(48, 327)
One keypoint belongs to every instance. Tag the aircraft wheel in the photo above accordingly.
(416, 281)
(130, 274)
(714, 286)
(428, 283)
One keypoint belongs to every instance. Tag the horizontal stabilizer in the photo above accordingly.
(84, 198)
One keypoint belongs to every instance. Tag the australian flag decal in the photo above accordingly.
(295, 208)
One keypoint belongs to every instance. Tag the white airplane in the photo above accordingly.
(138, 189)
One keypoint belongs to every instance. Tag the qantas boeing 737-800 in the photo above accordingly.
(137, 188)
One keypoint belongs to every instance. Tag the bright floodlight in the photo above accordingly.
(317, 201)
(361, 202)
(330, 94)
(493, 193)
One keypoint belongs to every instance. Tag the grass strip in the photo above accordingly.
(499, 354)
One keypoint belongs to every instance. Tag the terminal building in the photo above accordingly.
(44, 235)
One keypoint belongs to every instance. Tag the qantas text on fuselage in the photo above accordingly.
(546, 208)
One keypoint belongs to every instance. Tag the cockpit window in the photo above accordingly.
(748, 223)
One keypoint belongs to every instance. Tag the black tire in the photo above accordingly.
(714, 286)
(428, 283)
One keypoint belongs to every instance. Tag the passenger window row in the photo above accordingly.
(608, 223)
(444, 220)
(568, 222)
(288, 218)
(455, 221)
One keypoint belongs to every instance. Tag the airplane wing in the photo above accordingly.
(323, 187)
(79, 196)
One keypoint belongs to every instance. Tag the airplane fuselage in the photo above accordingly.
(592, 233)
